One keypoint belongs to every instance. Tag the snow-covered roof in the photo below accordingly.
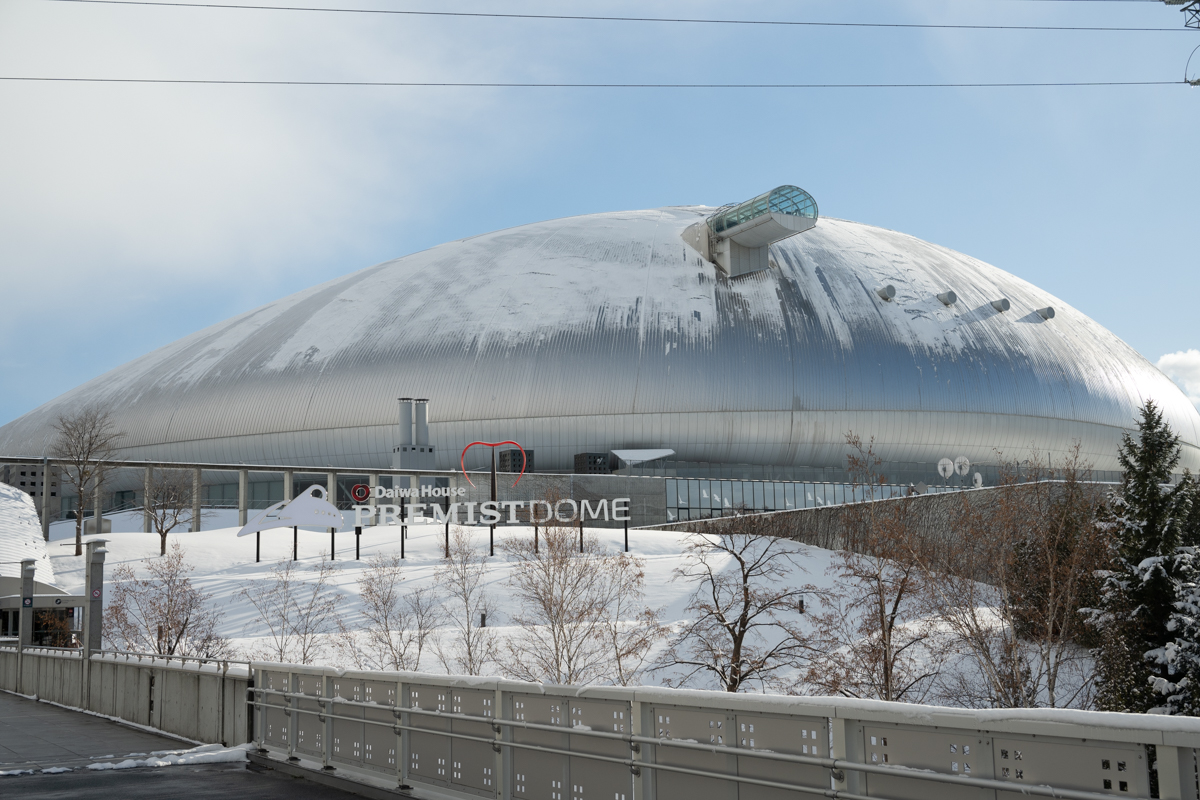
(21, 536)
(609, 332)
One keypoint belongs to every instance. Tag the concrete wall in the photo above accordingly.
(205, 702)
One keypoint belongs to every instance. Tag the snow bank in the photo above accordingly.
(205, 754)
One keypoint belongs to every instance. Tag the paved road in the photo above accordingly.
(40, 736)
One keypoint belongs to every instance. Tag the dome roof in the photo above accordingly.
(608, 331)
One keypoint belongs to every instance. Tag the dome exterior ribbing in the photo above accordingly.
(608, 331)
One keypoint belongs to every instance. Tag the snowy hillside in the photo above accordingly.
(224, 565)
(826, 621)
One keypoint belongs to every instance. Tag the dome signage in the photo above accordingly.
(493, 512)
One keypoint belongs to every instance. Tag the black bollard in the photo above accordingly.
(332, 544)
(295, 541)
(357, 539)
(626, 536)
(257, 547)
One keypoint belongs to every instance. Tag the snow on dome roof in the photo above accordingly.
(611, 332)
(21, 536)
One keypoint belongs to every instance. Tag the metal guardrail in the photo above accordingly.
(503, 739)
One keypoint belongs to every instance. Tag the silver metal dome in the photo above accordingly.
(608, 331)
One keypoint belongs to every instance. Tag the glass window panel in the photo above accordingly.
(758, 496)
(681, 488)
(839, 493)
(819, 494)
(672, 514)
(737, 494)
(694, 494)
(705, 497)
(791, 495)
(672, 494)
(715, 496)
(727, 494)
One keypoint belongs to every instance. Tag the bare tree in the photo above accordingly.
(632, 631)
(875, 638)
(85, 441)
(169, 502)
(297, 605)
(1011, 591)
(472, 647)
(164, 613)
(739, 631)
(576, 623)
(394, 628)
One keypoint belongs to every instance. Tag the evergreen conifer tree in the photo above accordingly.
(1149, 524)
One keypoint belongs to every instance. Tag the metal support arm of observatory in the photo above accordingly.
(737, 238)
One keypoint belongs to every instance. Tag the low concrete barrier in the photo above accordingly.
(197, 699)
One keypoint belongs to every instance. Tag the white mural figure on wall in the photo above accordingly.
(310, 509)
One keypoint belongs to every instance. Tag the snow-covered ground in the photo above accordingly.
(224, 564)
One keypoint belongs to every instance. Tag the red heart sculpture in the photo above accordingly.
(462, 459)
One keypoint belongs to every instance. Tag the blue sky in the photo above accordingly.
(133, 215)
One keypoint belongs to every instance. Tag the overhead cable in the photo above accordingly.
(599, 18)
(497, 85)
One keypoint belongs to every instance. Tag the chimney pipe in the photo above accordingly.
(406, 422)
(422, 427)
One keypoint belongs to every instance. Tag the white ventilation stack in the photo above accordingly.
(422, 428)
(406, 422)
(413, 451)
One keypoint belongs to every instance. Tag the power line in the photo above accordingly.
(599, 18)
(490, 85)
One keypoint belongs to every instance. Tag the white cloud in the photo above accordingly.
(1183, 367)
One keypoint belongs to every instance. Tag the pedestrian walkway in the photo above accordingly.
(38, 736)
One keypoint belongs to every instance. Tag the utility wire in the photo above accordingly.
(482, 85)
(598, 18)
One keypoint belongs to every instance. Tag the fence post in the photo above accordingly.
(847, 746)
(1176, 772)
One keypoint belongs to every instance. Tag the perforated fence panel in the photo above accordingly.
(276, 721)
(590, 778)
(797, 736)
(473, 764)
(429, 754)
(1100, 767)
(310, 724)
(689, 725)
(536, 774)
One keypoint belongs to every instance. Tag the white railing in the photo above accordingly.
(472, 737)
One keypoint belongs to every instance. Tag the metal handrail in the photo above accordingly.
(830, 763)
